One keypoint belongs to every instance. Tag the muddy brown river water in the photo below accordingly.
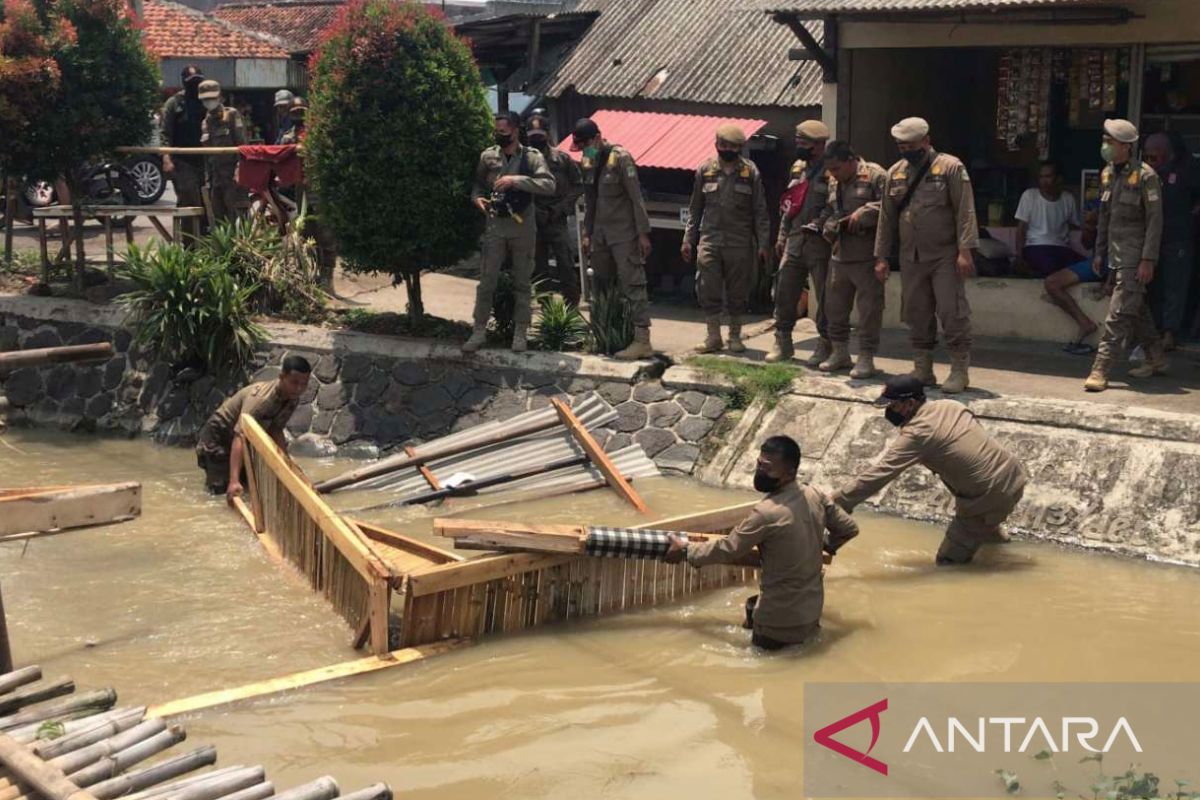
(666, 702)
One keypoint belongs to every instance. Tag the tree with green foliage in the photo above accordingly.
(397, 120)
(96, 88)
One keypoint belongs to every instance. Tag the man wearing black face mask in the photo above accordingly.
(727, 229)
(928, 217)
(986, 480)
(789, 529)
(553, 238)
(182, 117)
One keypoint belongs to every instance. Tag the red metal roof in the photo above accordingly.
(177, 31)
(667, 141)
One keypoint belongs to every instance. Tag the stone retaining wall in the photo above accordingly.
(368, 393)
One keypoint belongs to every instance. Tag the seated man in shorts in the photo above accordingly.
(1058, 286)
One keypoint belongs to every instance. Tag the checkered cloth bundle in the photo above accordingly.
(628, 543)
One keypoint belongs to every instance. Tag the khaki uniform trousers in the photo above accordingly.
(931, 291)
(624, 261)
(554, 240)
(723, 278)
(971, 528)
(519, 246)
(223, 192)
(853, 283)
(1129, 318)
(188, 179)
(807, 254)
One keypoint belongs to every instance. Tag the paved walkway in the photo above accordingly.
(1000, 366)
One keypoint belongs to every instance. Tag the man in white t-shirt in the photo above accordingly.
(1046, 216)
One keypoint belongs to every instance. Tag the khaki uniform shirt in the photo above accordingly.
(619, 212)
(261, 401)
(568, 186)
(815, 210)
(493, 163)
(175, 111)
(1131, 215)
(865, 192)
(944, 436)
(788, 528)
(223, 127)
(940, 217)
(728, 209)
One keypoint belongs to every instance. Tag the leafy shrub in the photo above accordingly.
(283, 267)
(189, 308)
(397, 121)
(751, 382)
(610, 321)
(388, 323)
(559, 326)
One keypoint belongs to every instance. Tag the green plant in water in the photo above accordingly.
(751, 382)
(610, 321)
(1130, 785)
(190, 309)
(559, 326)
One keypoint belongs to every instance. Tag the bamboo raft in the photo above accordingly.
(358, 566)
(56, 745)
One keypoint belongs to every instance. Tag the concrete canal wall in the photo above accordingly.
(1106, 477)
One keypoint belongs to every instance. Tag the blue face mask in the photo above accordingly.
(591, 152)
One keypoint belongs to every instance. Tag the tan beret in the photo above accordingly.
(731, 133)
(813, 129)
(210, 90)
(1122, 130)
(910, 129)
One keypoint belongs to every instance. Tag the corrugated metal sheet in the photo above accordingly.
(871, 6)
(710, 51)
(667, 141)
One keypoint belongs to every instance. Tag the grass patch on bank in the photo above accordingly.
(389, 323)
(766, 382)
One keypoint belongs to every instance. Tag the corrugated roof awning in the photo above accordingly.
(667, 141)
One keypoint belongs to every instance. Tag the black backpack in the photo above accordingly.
(514, 202)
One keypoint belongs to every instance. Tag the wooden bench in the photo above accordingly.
(106, 213)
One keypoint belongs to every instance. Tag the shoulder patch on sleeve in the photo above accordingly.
(1152, 195)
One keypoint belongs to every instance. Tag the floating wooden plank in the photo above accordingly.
(56, 508)
(598, 457)
(300, 680)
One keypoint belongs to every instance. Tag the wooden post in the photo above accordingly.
(6, 662)
(108, 243)
(44, 248)
(252, 487)
(425, 471)
(599, 458)
(10, 214)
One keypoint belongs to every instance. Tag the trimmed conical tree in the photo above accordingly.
(397, 119)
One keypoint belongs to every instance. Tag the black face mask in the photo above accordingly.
(540, 143)
(765, 483)
(805, 153)
(728, 156)
(502, 139)
(913, 157)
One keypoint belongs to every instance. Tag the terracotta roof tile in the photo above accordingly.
(176, 31)
(297, 22)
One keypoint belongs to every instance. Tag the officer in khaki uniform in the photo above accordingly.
(727, 232)
(616, 227)
(936, 229)
(986, 479)
(181, 121)
(1129, 236)
(857, 189)
(553, 238)
(789, 529)
(507, 176)
(222, 127)
(801, 244)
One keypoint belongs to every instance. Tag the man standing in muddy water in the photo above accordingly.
(789, 529)
(271, 403)
(987, 481)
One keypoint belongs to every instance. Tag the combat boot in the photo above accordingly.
(959, 380)
(923, 367)
(865, 367)
(1154, 364)
(478, 337)
(782, 350)
(1097, 381)
(838, 360)
(640, 348)
(735, 336)
(519, 344)
(824, 350)
(712, 342)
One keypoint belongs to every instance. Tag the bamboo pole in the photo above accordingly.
(50, 749)
(174, 786)
(238, 782)
(72, 763)
(162, 771)
(102, 699)
(260, 792)
(376, 791)
(113, 765)
(16, 359)
(325, 788)
(35, 694)
(28, 732)
(47, 781)
(13, 679)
